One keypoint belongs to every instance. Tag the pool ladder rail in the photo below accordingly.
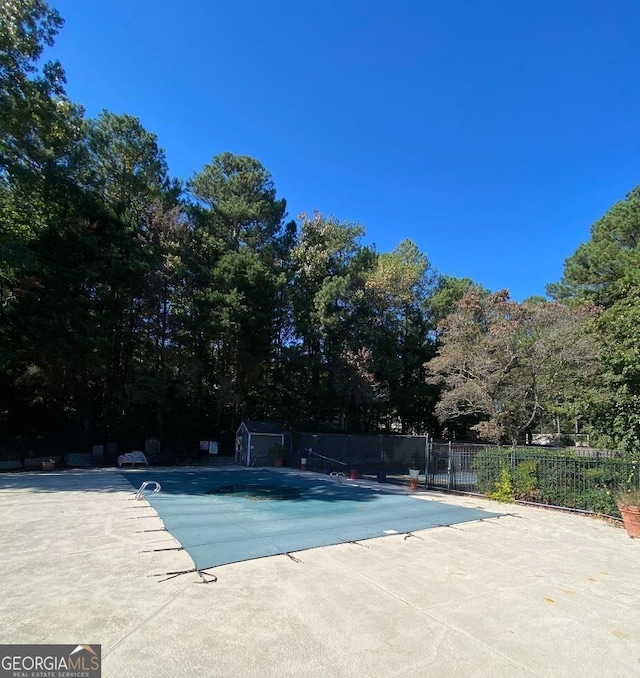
(145, 486)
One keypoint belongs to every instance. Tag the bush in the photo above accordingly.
(276, 451)
(525, 480)
(503, 487)
(487, 467)
(599, 501)
(552, 477)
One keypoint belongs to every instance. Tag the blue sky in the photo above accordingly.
(493, 133)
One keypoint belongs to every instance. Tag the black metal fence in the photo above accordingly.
(578, 478)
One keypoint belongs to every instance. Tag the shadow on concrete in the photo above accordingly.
(84, 480)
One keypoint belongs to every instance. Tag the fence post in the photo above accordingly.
(426, 459)
(449, 470)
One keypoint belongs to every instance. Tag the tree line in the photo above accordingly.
(135, 304)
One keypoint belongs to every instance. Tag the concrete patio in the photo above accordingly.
(533, 593)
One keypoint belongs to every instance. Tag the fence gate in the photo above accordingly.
(450, 465)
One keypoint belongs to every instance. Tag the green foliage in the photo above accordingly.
(123, 308)
(38, 128)
(31, 124)
(234, 313)
(122, 162)
(612, 254)
(276, 451)
(628, 497)
(487, 465)
(397, 289)
(615, 406)
(446, 296)
(503, 486)
(606, 270)
(525, 479)
(599, 501)
(241, 198)
(503, 364)
(552, 477)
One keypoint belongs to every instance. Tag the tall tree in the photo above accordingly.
(235, 275)
(504, 364)
(601, 268)
(38, 128)
(30, 94)
(123, 163)
(447, 292)
(399, 286)
(97, 271)
(333, 370)
(614, 402)
(606, 270)
(241, 198)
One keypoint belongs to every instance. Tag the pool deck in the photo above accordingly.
(533, 593)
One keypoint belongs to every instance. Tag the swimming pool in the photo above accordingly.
(227, 516)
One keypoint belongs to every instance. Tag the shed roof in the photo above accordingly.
(261, 427)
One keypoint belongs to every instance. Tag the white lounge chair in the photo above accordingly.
(133, 458)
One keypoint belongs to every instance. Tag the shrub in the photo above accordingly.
(628, 497)
(487, 467)
(553, 477)
(503, 487)
(276, 451)
(525, 479)
(599, 501)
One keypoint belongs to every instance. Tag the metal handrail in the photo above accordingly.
(336, 461)
(143, 487)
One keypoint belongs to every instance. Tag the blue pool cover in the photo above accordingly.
(222, 517)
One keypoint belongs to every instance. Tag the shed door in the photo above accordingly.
(242, 449)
